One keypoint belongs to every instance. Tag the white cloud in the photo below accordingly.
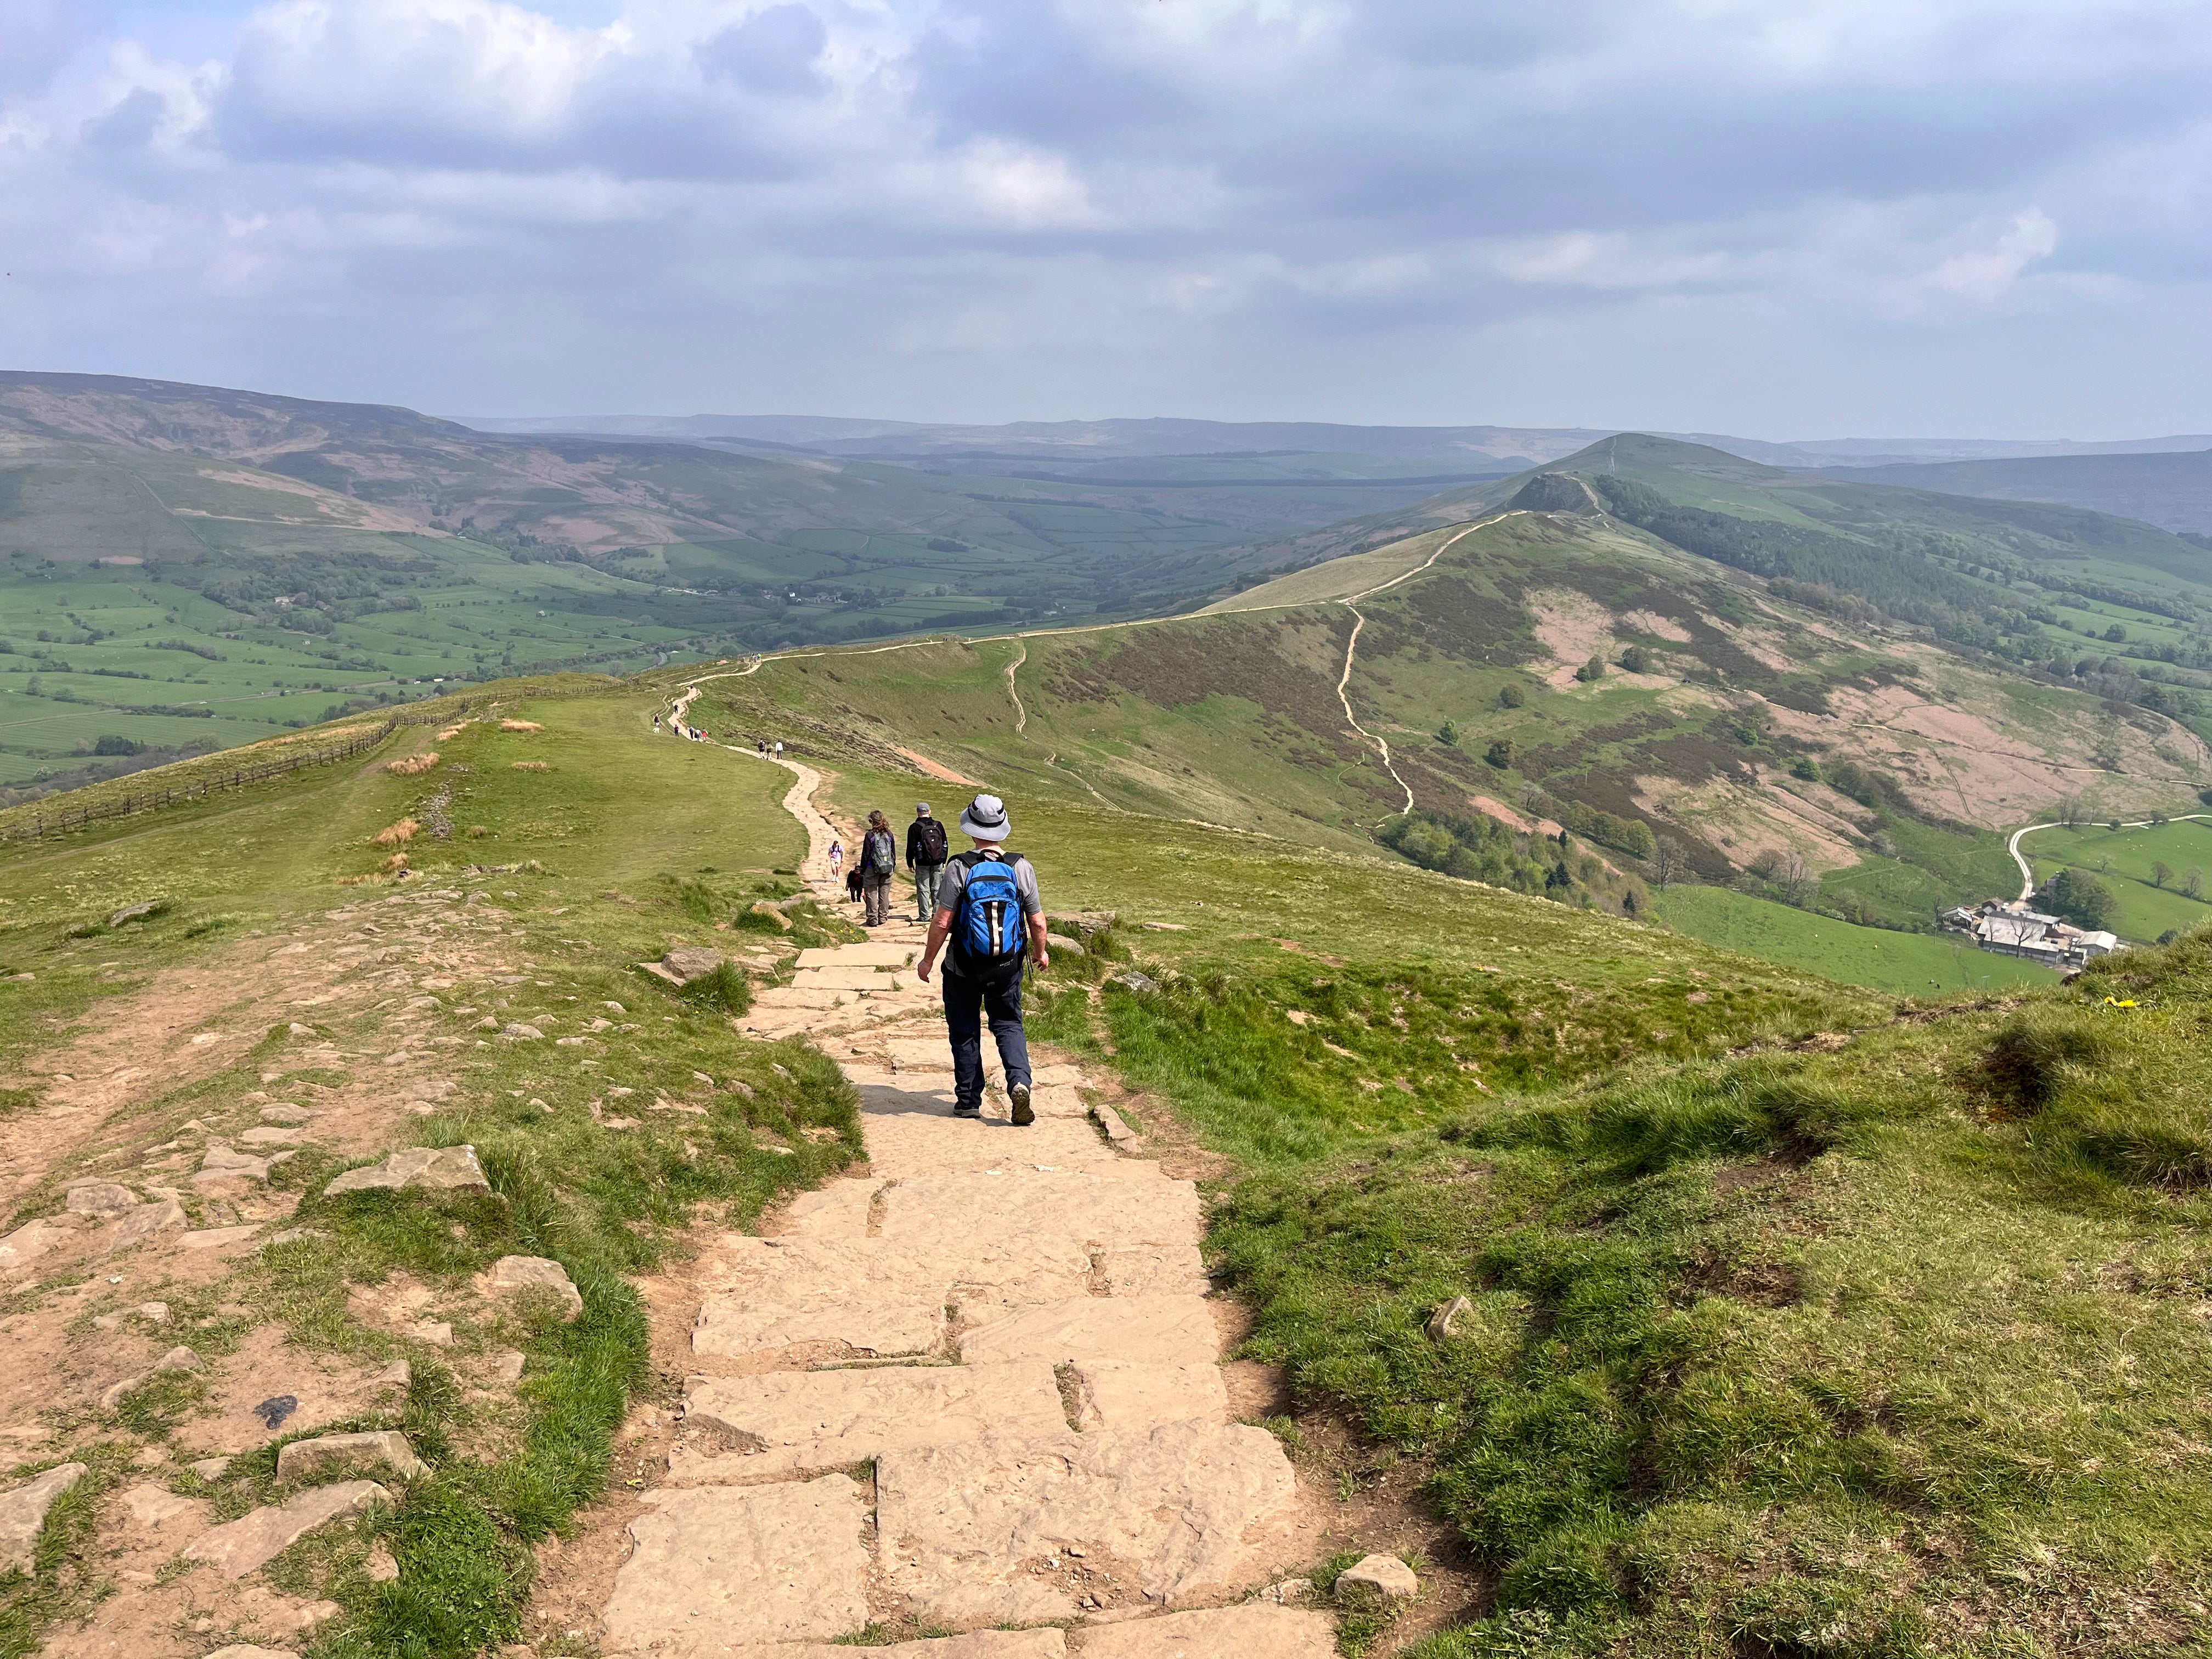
(1293, 180)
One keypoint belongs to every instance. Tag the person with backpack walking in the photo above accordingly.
(878, 863)
(989, 919)
(925, 856)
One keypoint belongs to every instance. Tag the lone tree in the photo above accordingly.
(1637, 660)
(1500, 753)
(1592, 670)
(1666, 862)
(2192, 883)
(1512, 697)
(2161, 872)
(1448, 733)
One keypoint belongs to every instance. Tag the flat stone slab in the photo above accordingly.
(104, 1199)
(444, 1169)
(824, 1420)
(23, 1512)
(1143, 1330)
(843, 979)
(1256, 1632)
(947, 1212)
(136, 1226)
(523, 1275)
(303, 1459)
(852, 1291)
(257, 1538)
(962, 1526)
(1114, 1395)
(856, 956)
(977, 1644)
(794, 998)
(776, 1564)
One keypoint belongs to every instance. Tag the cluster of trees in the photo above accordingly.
(1480, 848)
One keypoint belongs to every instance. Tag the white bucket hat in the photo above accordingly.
(984, 819)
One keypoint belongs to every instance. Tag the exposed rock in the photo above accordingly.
(301, 1460)
(103, 1198)
(774, 914)
(1255, 1631)
(381, 1567)
(242, 1546)
(268, 1135)
(134, 913)
(1385, 1574)
(1130, 979)
(516, 1032)
(525, 1274)
(28, 1243)
(687, 963)
(438, 1333)
(225, 1172)
(780, 1563)
(446, 1169)
(790, 1420)
(506, 1366)
(23, 1512)
(216, 1239)
(1446, 1315)
(209, 1468)
(141, 1222)
(154, 1313)
(1110, 1121)
(151, 1504)
(1148, 1330)
(1174, 1504)
(178, 1358)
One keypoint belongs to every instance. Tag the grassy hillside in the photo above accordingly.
(2174, 492)
(1797, 1319)
(1876, 1334)
(1869, 775)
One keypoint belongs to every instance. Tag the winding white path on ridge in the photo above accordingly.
(1021, 714)
(2027, 870)
(1351, 646)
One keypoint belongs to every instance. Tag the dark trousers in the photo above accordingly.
(876, 889)
(968, 1003)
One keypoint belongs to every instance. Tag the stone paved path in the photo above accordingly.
(976, 1386)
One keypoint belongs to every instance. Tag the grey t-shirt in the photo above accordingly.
(955, 879)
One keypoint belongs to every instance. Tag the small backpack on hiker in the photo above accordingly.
(928, 841)
(990, 935)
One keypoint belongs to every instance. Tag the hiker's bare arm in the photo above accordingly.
(1038, 937)
(941, 924)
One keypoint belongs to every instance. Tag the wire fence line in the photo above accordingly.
(35, 820)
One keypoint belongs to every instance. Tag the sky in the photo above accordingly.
(1778, 218)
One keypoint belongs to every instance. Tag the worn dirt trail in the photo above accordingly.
(975, 1384)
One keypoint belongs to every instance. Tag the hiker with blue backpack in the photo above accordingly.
(989, 919)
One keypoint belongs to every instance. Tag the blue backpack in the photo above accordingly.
(989, 931)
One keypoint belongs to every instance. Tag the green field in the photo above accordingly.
(2123, 860)
(1910, 964)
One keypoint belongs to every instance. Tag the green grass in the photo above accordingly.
(1910, 964)
(614, 886)
(2123, 860)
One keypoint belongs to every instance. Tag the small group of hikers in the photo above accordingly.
(692, 733)
(875, 863)
(986, 919)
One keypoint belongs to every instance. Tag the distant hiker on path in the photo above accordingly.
(836, 859)
(989, 909)
(778, 747)
(878, 863)
(925, 856)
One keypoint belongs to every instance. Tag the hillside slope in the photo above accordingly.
(2174, 492)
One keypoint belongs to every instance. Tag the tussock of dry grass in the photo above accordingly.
(410, 766)
(396, 863)
(531, 766)
(451, 733)
(399, 833)
(520, 725)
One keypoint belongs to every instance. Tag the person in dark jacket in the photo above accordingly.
(925, 852)
(878, 863)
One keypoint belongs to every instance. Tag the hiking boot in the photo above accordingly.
(973, 1113)
(1019, 1094)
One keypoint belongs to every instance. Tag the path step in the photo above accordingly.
(847, 979)
(1176, 1505)
(852, 956)
(779, 1563)
(829, 1419)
